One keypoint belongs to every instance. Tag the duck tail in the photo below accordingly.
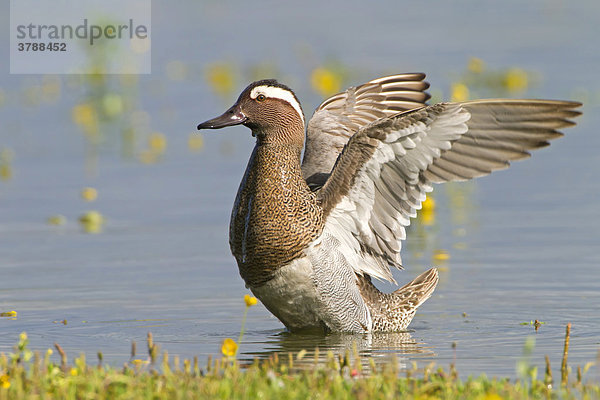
(392, 312)
(415, 292)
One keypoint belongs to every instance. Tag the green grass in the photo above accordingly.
(28, 375)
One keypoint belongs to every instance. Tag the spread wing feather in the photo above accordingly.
(342, 115)
(387, 167)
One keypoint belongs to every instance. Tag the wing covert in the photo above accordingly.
(342, 115)
(384, 172)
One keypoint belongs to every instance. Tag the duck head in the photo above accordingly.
(270, 109)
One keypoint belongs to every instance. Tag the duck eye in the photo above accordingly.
(261, 97)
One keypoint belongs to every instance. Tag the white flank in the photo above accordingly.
(278, 93)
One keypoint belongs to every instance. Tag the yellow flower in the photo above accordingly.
(476, 65)
(427, 217)
(86, 117)
(5, 172)
(441, 255)
(57, 220)
(4, 381)
(148, 157)
(73, 372)
(492, 396)
(92, 221)
(89, 194)
(460, 92)
(157, 142)
(229, 347)
(516, 80)
(8, 314)
(220, 77)
(195, 142)
(23, 337)
(92, 217)
(250, 300)
(84, 114)
(49, 352)
(325, 82)
(427, 213)
(428, 204)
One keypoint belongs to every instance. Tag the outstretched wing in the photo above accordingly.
(341, 116)
(386, 169)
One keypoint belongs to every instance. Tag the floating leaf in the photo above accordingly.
(12, 314)
(57, 220)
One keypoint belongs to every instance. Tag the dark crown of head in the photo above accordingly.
(269, 82)
(272, 83)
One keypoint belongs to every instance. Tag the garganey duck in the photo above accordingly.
(309, 235)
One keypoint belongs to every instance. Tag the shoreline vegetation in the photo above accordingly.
(25, 374)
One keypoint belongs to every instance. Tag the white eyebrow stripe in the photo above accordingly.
(278, 93)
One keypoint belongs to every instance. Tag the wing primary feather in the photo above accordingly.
(394, 147)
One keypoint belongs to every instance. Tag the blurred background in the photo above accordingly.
(114, 211)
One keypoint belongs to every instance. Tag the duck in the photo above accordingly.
(323, 208)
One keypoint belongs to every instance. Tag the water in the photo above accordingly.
(524, 243)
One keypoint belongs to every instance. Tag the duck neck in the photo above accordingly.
(289, 153)
(275, 215)
(287, 132)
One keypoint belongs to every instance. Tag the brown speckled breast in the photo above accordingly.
(275, 215)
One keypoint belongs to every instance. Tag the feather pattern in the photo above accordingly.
(384, 172)
(342, 115)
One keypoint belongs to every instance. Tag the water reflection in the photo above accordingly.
(309, 350)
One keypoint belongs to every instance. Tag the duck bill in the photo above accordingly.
(233, 116)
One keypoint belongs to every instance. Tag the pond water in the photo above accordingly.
(524, 243)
